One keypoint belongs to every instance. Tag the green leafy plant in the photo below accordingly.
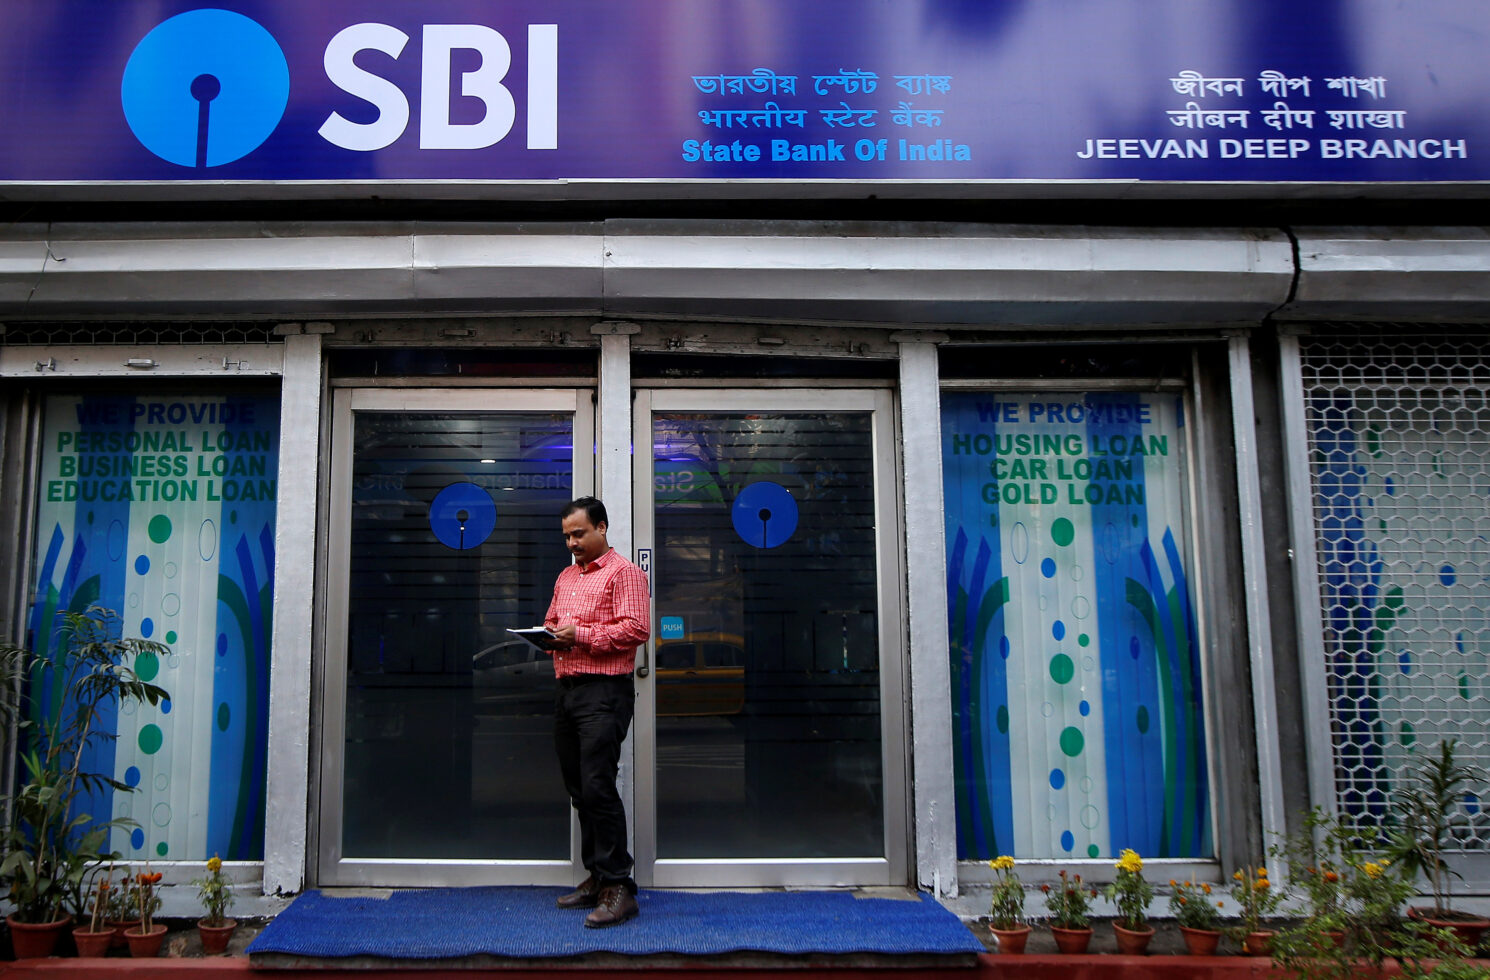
(1006, 910)
(1353, 920)
(1427, 810)
(214, 892)
(1069, 902)
(1130, 892)
(1255, 896)
(1192, 906)
(52, 850)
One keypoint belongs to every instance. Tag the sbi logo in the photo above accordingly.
(209, 86)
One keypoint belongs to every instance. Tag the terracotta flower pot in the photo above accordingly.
(1259, 943)
(145, 945)
(34, 940)
(120, 927)
(1011, 940)
(1469, 929)
(215, 938)
(1132, 942)
(1200, 942)
(1071, 940)
(92, 943)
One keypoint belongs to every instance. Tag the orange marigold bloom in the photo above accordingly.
(1331, 876)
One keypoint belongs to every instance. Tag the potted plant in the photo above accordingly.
(1256, 898)
(124, 906)
(1428, 810)
(51, 849)
(1198, 916)
(95, 938)
(1132, 895)
(1070, 904)
(1006, 908)
(215, 928)
(145, 939)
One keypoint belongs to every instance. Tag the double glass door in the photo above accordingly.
(767, 745)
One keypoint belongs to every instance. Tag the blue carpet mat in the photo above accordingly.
(442, 923)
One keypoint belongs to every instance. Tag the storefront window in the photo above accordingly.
(1076, 668)
(161, 508)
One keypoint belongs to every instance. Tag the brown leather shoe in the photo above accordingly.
(617, 904)
(586, 896)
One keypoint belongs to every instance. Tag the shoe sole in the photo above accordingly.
(592, 904)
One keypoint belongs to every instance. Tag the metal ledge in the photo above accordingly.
(853, 273)
(1418, 274)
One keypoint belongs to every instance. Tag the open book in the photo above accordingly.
(539, 636)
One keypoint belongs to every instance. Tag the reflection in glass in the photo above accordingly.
(768, 688)
(455, 538)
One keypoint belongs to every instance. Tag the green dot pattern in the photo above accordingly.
(1072, 741)
(160, 528)
(147, 665)
(1062, 532)
(162, 849)
(151, 739)
(1083, 640)
(1062, 669)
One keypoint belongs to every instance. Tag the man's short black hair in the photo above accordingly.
(592, 507)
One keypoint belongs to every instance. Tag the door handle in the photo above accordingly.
(646, 667)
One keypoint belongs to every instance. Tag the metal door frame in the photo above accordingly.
(333, 868)
(889, 869)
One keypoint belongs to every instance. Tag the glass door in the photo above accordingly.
(437, 758)
(768, 731)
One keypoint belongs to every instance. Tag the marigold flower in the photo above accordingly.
(1205, 886)
(1262, 872)
(1237, 874)
(1173, 883)
(1262, 885)
(1129, 860)
(214, 864)
(1045, 889)
(1372, 869)
(1331, 877)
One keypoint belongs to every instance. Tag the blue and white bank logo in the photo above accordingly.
(205, 88)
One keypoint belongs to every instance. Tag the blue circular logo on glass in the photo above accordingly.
(462, 516)
(764, 515)
(205, 88)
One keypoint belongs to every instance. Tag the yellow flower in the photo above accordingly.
(1129, 860)
(1001, 863)
(1262, 872)
(1262, 885)
(214, 864)
(1237, 875)
(1372, 869)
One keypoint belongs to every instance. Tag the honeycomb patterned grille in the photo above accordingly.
(137, 333)
(1399, 436)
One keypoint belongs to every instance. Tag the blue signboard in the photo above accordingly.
(369, 91)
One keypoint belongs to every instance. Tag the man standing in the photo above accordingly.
(601, 612)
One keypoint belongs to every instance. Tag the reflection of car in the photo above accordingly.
(701, 674)
(513, 671)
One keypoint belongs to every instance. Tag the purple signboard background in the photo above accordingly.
(958, 90)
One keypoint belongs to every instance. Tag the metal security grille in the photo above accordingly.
(137, 333)
(1398, 422)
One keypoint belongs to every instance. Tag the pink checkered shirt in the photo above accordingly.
(609, 601)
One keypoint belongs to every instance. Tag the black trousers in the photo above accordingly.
(591, 715)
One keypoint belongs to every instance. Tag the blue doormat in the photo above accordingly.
(442, 923)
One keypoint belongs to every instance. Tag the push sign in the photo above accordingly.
(671, 628)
